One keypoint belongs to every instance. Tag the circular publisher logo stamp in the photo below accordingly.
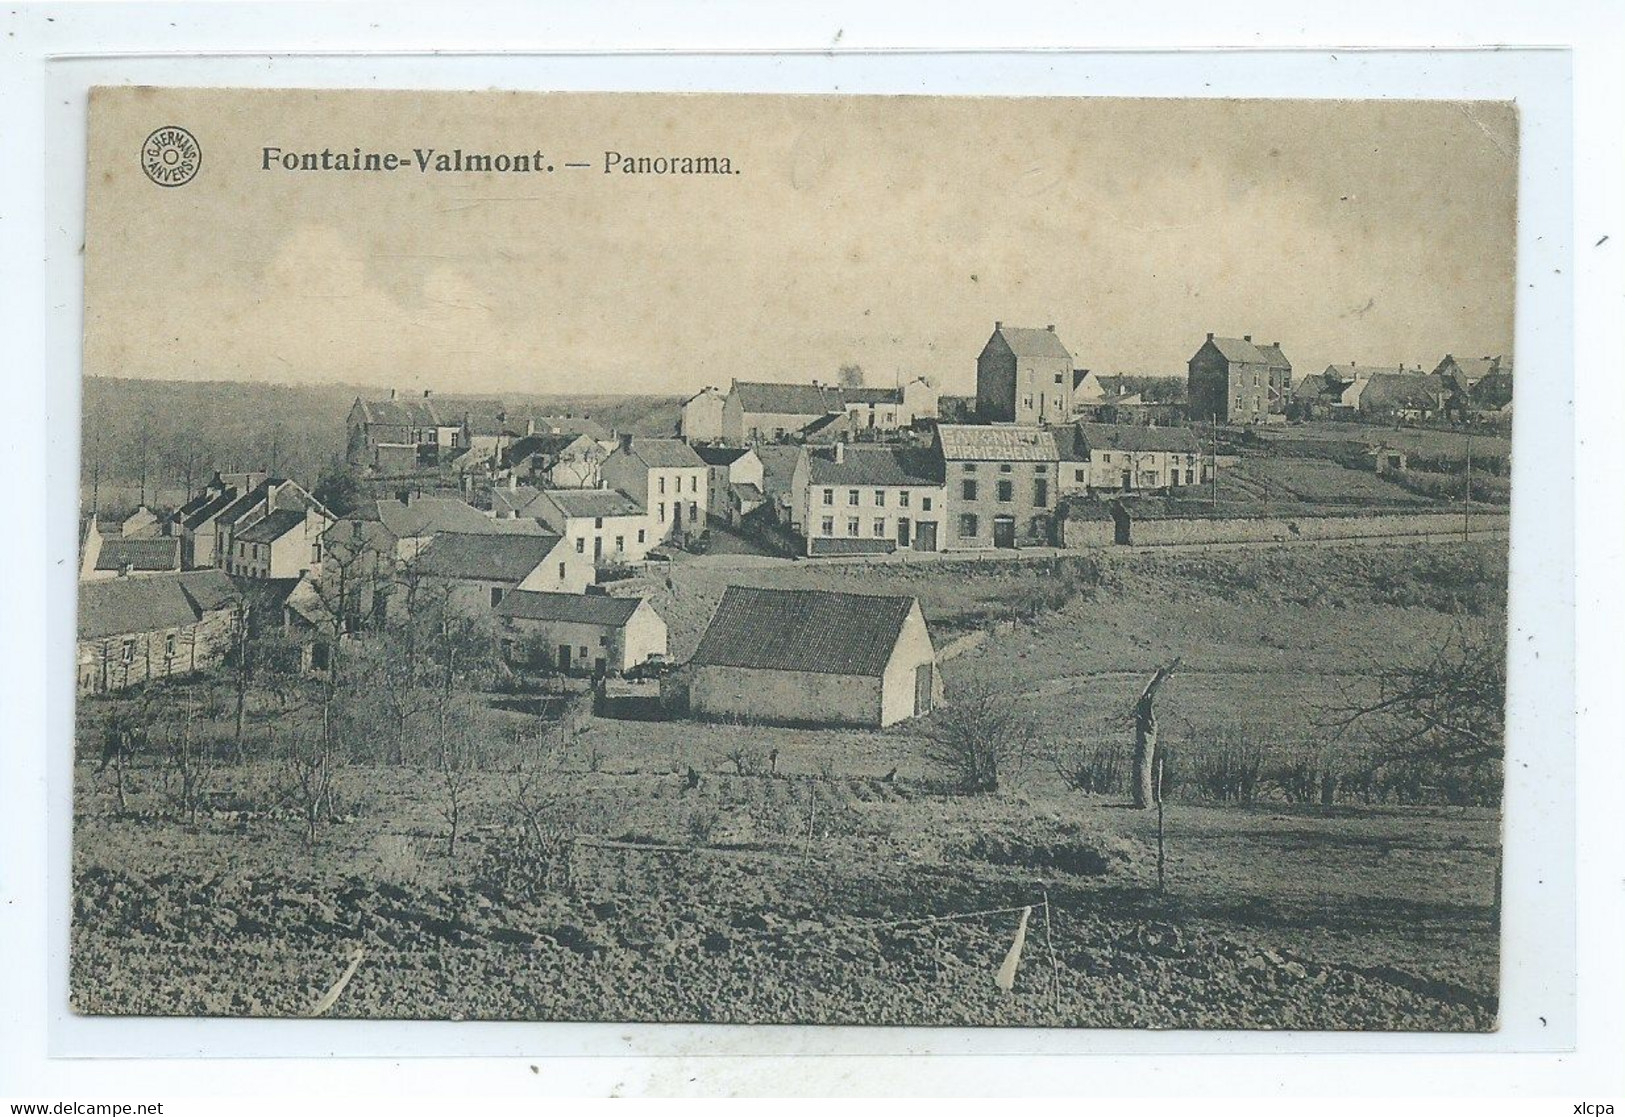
(171, 156)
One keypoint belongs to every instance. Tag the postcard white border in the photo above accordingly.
(1538, 982)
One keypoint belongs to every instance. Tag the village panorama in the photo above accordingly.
(1085, 700)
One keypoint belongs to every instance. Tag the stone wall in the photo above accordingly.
(1166, 531)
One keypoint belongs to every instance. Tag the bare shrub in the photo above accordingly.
(980, 737)
(187, 767)
(535, 851)
(1226, 765)
(702, 824)
(1093, 767)
(747, 760)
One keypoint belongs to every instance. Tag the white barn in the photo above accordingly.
(814, 656)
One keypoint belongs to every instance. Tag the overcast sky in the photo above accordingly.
(891, 232)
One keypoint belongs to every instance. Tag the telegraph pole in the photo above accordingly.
(1467, 494)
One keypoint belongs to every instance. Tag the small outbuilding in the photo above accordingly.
(816, 657)
(581, 633)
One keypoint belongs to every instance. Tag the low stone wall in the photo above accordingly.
(1168, 531)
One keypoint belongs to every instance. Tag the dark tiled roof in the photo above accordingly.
(875, 465)
(548, 444)
(997, 443)
(121, 606)
(1135, 438)
(1408, 390)
(579, 608)
(1350, 373)
(665, 453)
(778, 466)
(871, 395)
(803, 630)
(427, 515)
(272, 527)
(1239, 351)
(1274, 357)
(788, 399)
(407, 412)
(1026, 342)
(162, 553)
(720, 455)
(205, 506)
(491, 558)
(746, 491)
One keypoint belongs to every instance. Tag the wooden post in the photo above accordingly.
(1161, 861)
(1467, 493)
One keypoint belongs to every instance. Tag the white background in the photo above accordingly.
(52, 55)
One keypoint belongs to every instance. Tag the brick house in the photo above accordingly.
(1235, 381)
(814, 656)
(1024, 376)
(1000, 484)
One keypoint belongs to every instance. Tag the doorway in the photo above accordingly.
(1004, 531)
(902, 531)
(922, 689)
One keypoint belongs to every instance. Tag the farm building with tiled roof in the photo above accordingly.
(814, 657)
(579, 633)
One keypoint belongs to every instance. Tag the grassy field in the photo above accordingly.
(763, 873)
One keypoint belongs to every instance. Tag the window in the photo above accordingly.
(1077, 475)
(581, 546)
(880, 527)
(925, 504)
(970, 467)
(127, 652)
(583, 651)
(880, 498)
(603, 639)
(640, 535)
(1190, 477)
(561, 572)
(967, 526)
(852, 526)
(852, 497)
(315, 553)
(967, 489)
(693, 512)
(902, 499)
(620, 543)
(169, 646)
(1027, 402)
(829, 525)
(1007, 492)
(1058, 378)
(1041, 492)
(661, 507)
(829, 496)
(1106, 457)
(1040, 469)
(598, 521)
(693, 484)
(496, 595)
(1006, 467)
(662, 483)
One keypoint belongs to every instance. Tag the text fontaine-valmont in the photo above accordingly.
(429, 160)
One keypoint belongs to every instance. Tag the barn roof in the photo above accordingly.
(1029, 342)
(577, 608)
(162, 553)
(817, 631)
(1000, 443)
(486, 557)
(125, 606)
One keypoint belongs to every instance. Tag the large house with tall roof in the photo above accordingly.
(870, 499)
(1232, 380)
(401, 434)
(814, 656)
(668, 478)
(1000, 483)
(1024, 375)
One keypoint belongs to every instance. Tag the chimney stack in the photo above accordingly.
(840, 453)
(1247, 337)
(1050, 327)
(997, 325)
(626, 442)
(1210, 335)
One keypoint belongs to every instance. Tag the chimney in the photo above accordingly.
(1210, 335)
(1246, 337)
(404, 496)
(1277, 344)
(626, 442)
(997, 325)
(840, 453)
(1050, 327)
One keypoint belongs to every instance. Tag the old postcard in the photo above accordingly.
(794, 559)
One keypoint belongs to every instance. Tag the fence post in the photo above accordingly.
(1160, 847)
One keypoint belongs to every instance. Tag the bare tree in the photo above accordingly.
(851, 375)
(457, 762)
(1145, 738)
(188, 764)
(1446, 709)
(980, 737)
